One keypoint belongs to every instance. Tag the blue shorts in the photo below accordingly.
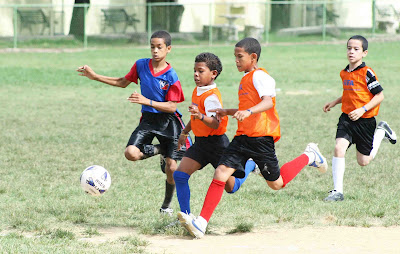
(260, 149)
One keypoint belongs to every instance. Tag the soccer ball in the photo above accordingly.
(95, 180)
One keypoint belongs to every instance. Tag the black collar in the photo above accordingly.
(358, 67)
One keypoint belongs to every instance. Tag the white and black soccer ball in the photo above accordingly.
(95, 180)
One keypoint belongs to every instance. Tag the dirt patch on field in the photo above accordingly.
(308, 240)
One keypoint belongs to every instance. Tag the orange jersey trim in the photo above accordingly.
(256, 125)
(355, 91)
(198, 127)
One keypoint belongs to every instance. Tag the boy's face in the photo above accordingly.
(355, 52)
(203, 76)
(244, 61)
(158, 49)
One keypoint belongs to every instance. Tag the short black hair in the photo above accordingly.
(162, 35)
(212, 62)
(360, 38)
(250, 45)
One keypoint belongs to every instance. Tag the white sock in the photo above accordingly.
(338, 167)
(378, 136)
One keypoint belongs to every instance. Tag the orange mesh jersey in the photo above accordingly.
(198, 127)
(355, 91)
(256, 125)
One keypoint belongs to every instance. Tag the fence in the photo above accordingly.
(198, 23)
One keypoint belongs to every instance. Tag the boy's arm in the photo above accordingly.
(184, 135)
(359, 112)
(88, 72)
(265, 104)
(167, 107)
(210, 121)
(327, 107)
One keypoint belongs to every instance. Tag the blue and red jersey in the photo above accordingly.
(162, 86)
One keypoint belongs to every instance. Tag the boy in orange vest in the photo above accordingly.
(209, 131)
(362, 95)
(258, 130)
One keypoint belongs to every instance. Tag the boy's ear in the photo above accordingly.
(214, 73)
(169, 48)
(365, 53)
(254, 56)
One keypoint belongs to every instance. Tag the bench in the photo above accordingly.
(33, 17)
(114, 17)
(219, 32)
(387, 18)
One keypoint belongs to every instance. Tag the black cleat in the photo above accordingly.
(389, 133)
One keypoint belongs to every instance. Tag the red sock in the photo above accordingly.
(290, 169)
(212, 199)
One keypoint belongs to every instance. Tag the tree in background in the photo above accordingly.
(77, 21)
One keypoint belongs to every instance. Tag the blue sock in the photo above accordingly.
(182, 190)
(250, 165)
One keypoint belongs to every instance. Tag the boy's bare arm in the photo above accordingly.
(86, 71)
(212, 122)
(167, 107)
(327, 107)
(359, 112)
(265, 104)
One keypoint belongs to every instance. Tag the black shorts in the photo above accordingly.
(260, 149)
(360, 132)
(164, 126)
(208, 150)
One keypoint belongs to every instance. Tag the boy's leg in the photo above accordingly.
(338, 169)
(170, 168)
(181, 176)
(382, 131)
(311, 156)
(237, 182)
(197, 227)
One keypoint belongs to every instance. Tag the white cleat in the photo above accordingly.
(319, 162)
(192, 225)
(389, 133)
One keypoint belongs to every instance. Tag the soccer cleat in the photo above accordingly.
(334, 196)
(166, 211)
(319, 162)
(192, 225)
(389, 133)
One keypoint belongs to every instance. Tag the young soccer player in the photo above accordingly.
(160, 92)
(361, 98)
(258, 129)
(210, 141)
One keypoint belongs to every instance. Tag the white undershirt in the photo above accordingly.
(264, 83)
(212, 101)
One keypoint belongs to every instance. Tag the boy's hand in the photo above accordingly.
(356, 114)
(327, 107)
(220, 113)
(181, 141)
(138, 98)
(194, 111)
(240, 115)
(86, 71)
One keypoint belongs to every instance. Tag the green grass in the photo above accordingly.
(55, 123)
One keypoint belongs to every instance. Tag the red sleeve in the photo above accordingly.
(175, 93)
(132, 76)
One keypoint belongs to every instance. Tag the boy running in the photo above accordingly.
(209, 131)
(258, 130)
(160, 92)
(361, 98)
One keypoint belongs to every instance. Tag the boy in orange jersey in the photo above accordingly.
(258, 130)
(361, 98)
(211, 140)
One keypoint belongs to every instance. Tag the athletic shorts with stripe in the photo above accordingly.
(360, 132)
(260, 149)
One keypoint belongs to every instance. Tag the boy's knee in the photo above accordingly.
(363, 163)
(131, 155)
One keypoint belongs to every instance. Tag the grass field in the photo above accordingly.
(55, 123)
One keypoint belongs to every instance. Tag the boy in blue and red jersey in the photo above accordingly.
(258, 130)
(210, 137)
(160, 92)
